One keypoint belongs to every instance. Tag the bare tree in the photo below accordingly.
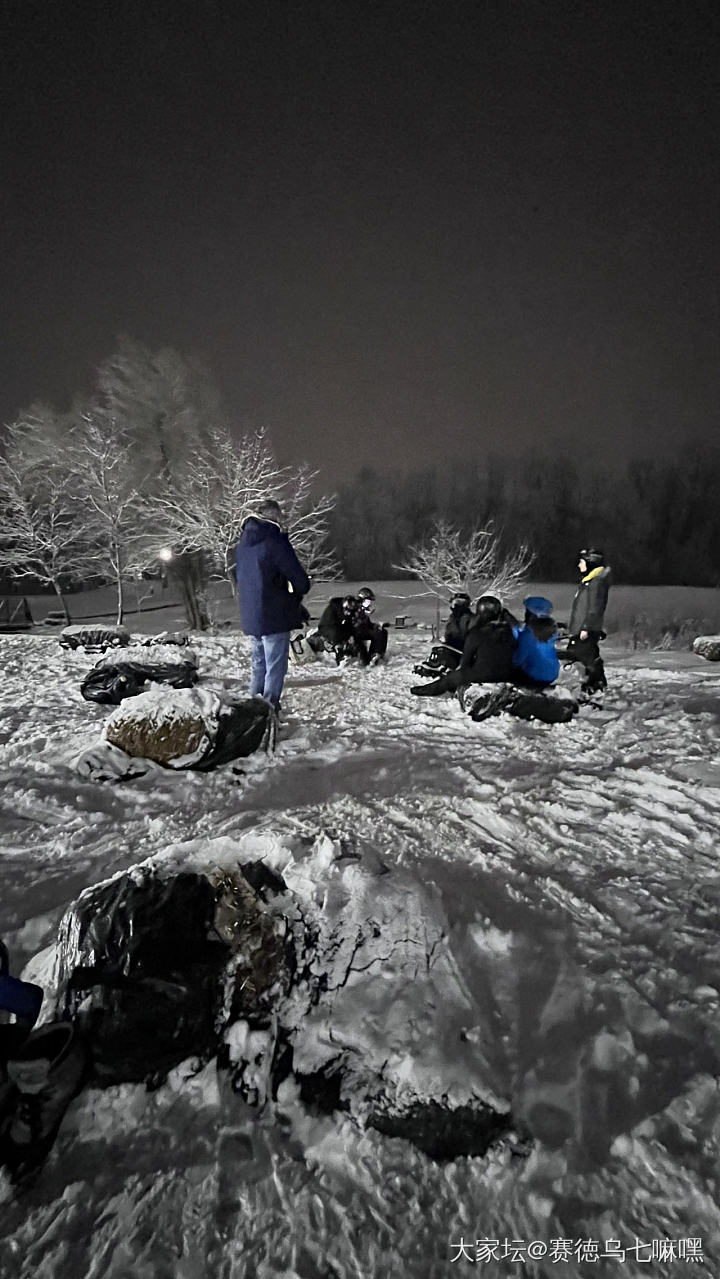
(206, 499)
(308, 523)
(203, 508)
(115, 516)
(40, 534)
(452, 561)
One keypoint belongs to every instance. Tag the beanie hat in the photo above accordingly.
(538, 606)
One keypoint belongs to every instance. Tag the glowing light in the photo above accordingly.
(165, 554)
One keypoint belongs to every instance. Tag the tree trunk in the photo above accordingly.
(188, 570)
(61, 597)
(120, 600)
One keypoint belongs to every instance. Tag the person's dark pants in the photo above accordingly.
(587, 653)
(464, 675)
(371, 643)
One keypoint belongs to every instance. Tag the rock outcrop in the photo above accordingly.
(94, 638)
(707, 646)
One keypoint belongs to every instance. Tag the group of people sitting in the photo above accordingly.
(487, 644)
(347, 628)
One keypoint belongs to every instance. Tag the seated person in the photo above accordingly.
(369, 640)
(335, 627)
(459, 621)
(487, 651)
(446, 655)
(535, 658)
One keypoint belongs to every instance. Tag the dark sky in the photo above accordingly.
(391, 229)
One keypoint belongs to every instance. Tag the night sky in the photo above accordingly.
(392, 230)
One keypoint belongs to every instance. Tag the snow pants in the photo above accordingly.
(587, 653)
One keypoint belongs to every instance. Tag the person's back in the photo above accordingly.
(535, 657)
(271, 583)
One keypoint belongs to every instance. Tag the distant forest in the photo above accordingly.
(657, 519)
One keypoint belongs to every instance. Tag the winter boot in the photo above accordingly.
(488, 704)
(434, 689)
(47, 1072)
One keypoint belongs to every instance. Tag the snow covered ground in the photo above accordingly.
(577, 869)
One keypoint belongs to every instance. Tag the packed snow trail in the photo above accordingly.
(597, 839)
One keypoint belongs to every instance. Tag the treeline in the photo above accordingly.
(657, 519)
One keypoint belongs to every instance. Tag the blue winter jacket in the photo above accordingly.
(266, 566)
(535, 657)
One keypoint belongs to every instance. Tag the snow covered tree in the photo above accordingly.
(202, 508)
(41, 535)
(308, 523)
(115, 517)
(475, 562)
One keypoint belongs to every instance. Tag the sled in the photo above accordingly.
(442, 659)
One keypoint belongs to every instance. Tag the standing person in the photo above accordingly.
(271, 583)
(587, 616)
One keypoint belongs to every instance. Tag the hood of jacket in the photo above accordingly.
(255, 529)
(543, 628)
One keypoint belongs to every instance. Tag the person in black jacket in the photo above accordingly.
(487, 651)
(369, 640)
(336, 624)
(459, 621)
(587, 617)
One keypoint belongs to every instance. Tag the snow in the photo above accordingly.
(151, 655)
(569, 871)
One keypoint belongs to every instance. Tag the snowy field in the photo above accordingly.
(576, 867)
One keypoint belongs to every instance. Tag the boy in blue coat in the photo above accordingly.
(535, 657)
(271, 583)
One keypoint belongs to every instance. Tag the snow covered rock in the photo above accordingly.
(177, 638)
(707, 646)
(151, 968)
(169, 726)
(94, 638)
(175, 728)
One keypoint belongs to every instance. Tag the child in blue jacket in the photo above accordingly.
(535, 658)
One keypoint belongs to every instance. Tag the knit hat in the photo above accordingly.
(538, 606)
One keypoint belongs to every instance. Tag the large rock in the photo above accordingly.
(707, 646)
(94, 638)
(153, 967)
(169, 726)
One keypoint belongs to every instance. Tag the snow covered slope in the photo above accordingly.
(577, 869)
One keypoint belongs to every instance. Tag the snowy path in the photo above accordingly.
(599, 838)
